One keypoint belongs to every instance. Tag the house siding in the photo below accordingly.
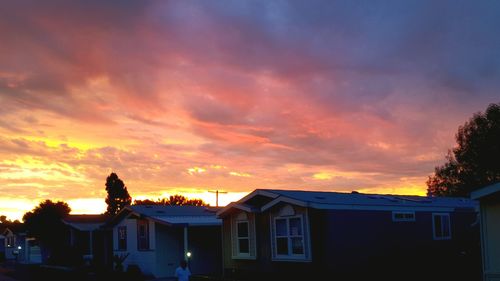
(169, 250)
(490, 216)
(347, 242)
(144, 259)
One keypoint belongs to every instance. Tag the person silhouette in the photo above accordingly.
(182, 272)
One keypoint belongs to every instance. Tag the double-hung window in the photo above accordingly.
(122, 238)
(289, 237)
(243, 237)
(142, 235)
(441, 226)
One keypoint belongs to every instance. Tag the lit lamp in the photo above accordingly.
(16, 252)
(188, 255)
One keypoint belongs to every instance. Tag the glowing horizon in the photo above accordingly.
(186, 97)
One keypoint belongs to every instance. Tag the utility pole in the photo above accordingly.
(217, 196)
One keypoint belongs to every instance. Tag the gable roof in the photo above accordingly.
(486, 191)
(355, 200)
(172, 215)
(85, 222)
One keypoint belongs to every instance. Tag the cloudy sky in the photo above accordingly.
(190, 96)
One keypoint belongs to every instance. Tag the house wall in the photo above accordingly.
(11, 251)
(490, 218)
(263, 264)
(370, 241)
(170, 250)
(144, 259)
(347, 242)
(204, 242)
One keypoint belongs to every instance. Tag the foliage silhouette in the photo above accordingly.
(473, 163)
(44, 222)
(173, 200)
(118, 196)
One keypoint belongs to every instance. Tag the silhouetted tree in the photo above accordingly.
(118, 196)
(173, 200)
(44, 222)
(474, 162)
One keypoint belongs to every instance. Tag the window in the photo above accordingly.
(10, 241)
(403, 216)
(289, 237)
(142, 235)
(441, 226)
(243, 236)
(122, 238)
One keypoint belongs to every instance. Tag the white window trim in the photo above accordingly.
(394, 219)
(434, 225)
(306, 256)
(234, 236)
(238, 238)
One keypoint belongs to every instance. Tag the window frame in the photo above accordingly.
(122, 246)
(252, 239)
(443, 226)
(146, 236)
(289, 237)
(10, 241)
(395, 219)
(238, 238)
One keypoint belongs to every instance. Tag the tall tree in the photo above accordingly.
(173, 200)
(474, 162)
(44, 223)
(118, 196)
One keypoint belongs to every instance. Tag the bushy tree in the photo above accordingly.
(173, 200)
(118, 196)
(474, 162)
(44, 222)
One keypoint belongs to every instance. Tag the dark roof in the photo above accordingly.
(85, 222)
(16, 228)
(339, 200)
(487, 191)
(158, 210)
(172, 215)
(84, 218)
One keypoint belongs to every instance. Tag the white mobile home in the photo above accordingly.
(157, 238)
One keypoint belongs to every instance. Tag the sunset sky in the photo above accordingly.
(190, 96)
